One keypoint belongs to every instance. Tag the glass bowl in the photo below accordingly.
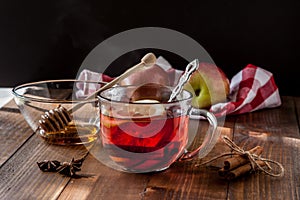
(36, 100)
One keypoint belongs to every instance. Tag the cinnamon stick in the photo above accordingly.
(229, 175)
(239, 160)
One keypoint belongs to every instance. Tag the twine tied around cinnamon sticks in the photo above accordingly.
(243, 161)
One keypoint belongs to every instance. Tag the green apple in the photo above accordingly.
(209, 85)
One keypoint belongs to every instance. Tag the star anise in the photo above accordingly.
(49, 165)
(70, 168)
(65, 168)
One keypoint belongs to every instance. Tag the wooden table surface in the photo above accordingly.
(276, 130)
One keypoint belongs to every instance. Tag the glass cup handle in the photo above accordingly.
(210, 138)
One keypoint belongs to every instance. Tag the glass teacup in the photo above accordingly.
(140, 131)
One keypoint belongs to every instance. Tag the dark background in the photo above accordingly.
(49, 39)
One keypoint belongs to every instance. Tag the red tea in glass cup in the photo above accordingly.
(141, 132)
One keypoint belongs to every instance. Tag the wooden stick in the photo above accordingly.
(239, 171)
(147, 61)
(238, 160)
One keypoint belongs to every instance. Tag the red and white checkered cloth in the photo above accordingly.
(251, 89)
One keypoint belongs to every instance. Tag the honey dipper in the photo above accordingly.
(56, 119)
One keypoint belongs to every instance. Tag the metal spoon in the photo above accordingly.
(190, 68)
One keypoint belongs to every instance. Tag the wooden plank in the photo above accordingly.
(104, 183)
(20, 177)
(278, 132)
(14, 131)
